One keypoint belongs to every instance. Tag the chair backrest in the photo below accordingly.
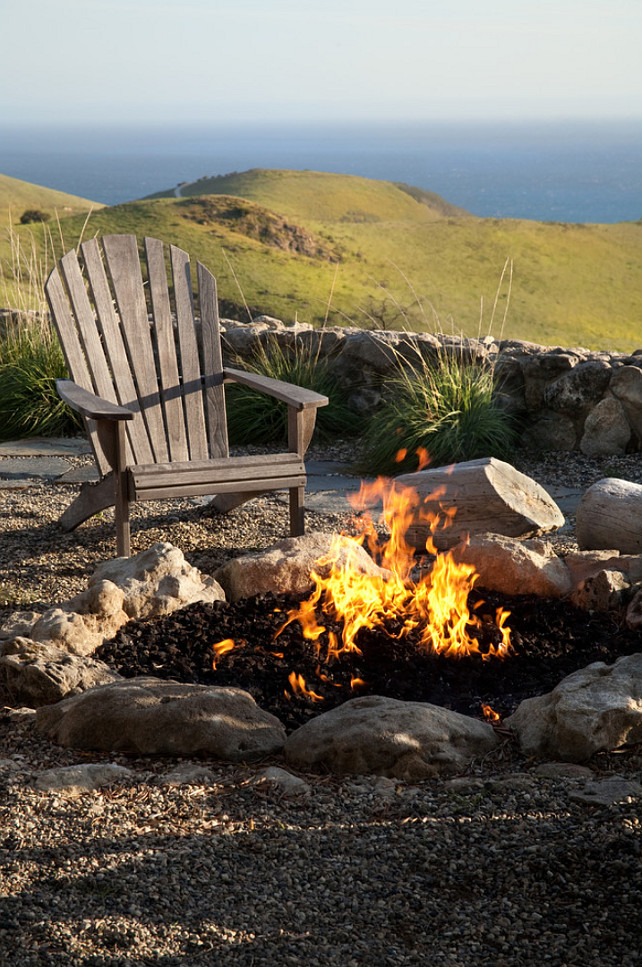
(131, 337)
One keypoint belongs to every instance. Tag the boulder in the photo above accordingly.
(35, 673)
(286, 566)
(97, 616)
(600, 592)
(606, 429)
(579, 389)
(476, 496)
(550, 431)
(515, 567)
(18, 625)
(157, 581)
(596, 709)
(148, 716)
(586, 564)
(386, 737)
(609, 516)
(633, 617)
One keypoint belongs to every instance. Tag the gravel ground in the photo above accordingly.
(510, 864)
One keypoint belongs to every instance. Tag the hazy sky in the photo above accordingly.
(129, 60)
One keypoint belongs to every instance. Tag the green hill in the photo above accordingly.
(26, 250)
(17, 197)
(314, 246)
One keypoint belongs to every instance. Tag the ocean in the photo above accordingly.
(544, 171)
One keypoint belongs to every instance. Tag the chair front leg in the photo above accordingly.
(300, 429)
(111, 434)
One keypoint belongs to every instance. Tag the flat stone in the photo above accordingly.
(45, 446)
(608, 792)
(79, 475)
(16, 484)
(75, 780)
(46, 467)
(187, 774)
(280, 782)
(562, 770)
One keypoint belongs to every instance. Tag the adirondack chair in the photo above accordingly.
(151, 393)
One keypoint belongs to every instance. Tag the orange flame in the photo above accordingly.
(489, 714)
(221, 648)
(298, 686)
(435, 607)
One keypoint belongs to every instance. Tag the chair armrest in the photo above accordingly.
(297, 396)
(89, 405)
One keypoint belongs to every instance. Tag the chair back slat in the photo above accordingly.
(156, 369)
(190, 362)
(163, 332)
(139, 449)
(86, 321)
(212, 363)
(123, 265)
(73, 353)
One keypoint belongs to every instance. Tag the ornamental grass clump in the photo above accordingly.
(31, 361)
(442, 410)
(252, 416)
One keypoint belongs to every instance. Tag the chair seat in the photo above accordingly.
(273, 471)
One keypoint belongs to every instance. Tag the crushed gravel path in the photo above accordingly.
(513, 863)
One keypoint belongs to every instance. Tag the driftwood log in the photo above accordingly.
(609, 516)
(476, 497)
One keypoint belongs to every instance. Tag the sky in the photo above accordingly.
(67, 61)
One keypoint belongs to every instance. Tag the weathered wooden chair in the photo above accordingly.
(150, 391)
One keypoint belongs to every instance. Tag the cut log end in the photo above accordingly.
(487, 495)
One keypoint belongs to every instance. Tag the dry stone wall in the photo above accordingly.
(565, 399)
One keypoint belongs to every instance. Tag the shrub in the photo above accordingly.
(445, 407)
(254, 417)
(31, 361)
(33, 215)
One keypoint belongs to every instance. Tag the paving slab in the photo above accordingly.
(43, 467)
(45, 447)
(78, 475)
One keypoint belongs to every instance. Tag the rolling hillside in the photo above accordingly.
(19, 196)
(314, 247)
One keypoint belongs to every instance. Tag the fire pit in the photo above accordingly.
(429, 637)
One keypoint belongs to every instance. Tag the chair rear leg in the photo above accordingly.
(297, 511)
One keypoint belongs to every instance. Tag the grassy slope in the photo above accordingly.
(21, 246)
(572, 285)
(18, 196)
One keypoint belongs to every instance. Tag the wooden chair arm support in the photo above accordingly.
(90, 405)
(297, 396)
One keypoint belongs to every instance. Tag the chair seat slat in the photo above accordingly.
(172, 487)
